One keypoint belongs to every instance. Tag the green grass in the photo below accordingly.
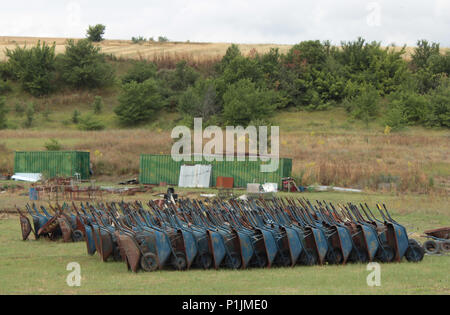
(39, 267)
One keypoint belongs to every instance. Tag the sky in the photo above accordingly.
(239, 21)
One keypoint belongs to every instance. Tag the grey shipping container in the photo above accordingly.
(53, 163)
(155, 169)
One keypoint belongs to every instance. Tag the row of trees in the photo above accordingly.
(368, 80)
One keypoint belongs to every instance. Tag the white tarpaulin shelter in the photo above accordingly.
(198, 176)
(27, 177)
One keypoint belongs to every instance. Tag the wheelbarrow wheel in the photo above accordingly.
(363, 256)
(179, 261)
(445, 246)
(149, 262)
(233, 261)
(385, 254)
(431, 247)
(260, 260)
(205, 260)
(77, 236)
(285, 258)
(414, 242)
(308, 257)
(414, 253)
(334, 256)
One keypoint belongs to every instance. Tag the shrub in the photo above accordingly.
(138, 102)
(140, 72)
(394, 117)
(98, 105)
(53, 145)
(244, 102)
(364, 106)
(84, 66)
(90, 123)
(95, 33)
(163, 39)
(3, 112)
(5, 87)
(200, 100)
(138, 40)
(29, 115)
(33, 68)
(423, 52)
(439, 113)
(76, 116)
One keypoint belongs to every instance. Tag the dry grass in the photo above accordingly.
(153, 50)
(324, 151)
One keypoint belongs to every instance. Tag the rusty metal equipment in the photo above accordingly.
(234, 234)
(438, 241)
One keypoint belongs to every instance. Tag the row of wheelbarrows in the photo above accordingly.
(232, 234)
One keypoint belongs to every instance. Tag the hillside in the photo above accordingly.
(329, 147)
(126, 49)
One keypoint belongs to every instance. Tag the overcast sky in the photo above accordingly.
(241, 21)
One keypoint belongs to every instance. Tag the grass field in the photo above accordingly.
(39, 267)
(127, 50)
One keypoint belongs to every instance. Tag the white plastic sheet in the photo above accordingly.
(27, 177)
(198, 176)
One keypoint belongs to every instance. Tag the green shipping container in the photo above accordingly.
(155, 169)
(53, 163)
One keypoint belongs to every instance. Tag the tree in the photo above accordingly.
(84, 66)
(423, 52)
(98, 105)
(29, 115)
(140, 72)
(33, 68)
(244, 102)
(364, 106)
(200, 100)
(95, 33)
(138, 102)
(3, 112)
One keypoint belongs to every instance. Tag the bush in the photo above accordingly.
(364, 106)
(244, 102)
(138, 102)
(3, 112)
(439, 113)
(53, 145)
(138, 40)
(95, 33)
(33, 68)
(5, 87)
(83, 66)
(98, 105)
(423, 52)
(200, 100)
(90, 123)
(394, 117)
(76, 116)
(140, 72)
(163, 39)
(29, 116)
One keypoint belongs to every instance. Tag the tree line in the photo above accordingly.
(369, 81)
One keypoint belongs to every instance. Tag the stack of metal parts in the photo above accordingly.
(238, 234)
